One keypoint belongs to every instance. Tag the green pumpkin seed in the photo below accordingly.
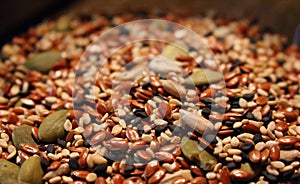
(174, 50)
(52, 126)
(203, 76)
(192, 150)
(44, 61)
(22, 135)
(8, 172)
(31, 171)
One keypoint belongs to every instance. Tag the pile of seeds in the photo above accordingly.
(246, 130)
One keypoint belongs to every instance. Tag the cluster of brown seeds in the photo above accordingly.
(245, 129)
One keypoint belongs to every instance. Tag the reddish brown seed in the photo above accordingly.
(274, 153)
(140, 95)
(199, 180)
(224, 132)
(80, 173)
(168, 147)
(88, 130)
(138, 145)
(207, 93)
(233, 82)
(179, 180)
(145, 92)
(164, 156)
(135, 103)
(287, 140)
(35, 132)
(254, 156)
(148, 109)
(213, 181)
(70, 135)
(265, 110)
(118, 179)
(262, 100)
(143, 155)
(83, 157)
(28, 148)
(265, 86)
(291, 115)
(176, 152)
(265, 154)
(244, 79)
(165, 109)
(99, 137)
(240, 174)
(204, 143)
(231, 74)
(281, 126)
(151, 168)
(250, 128)
(54, 165)
(196, 170)
(157, 176)
(132, 135)
(225, 176)
(117, 144)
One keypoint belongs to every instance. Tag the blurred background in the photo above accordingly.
(281, 16)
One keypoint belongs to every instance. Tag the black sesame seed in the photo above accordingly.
(44, 164)
(232, 165)
(287, 175)
(73, 163)
(270, 177)
(249, 115)
(228, 123)
(127, 118)
(205, 112)
(100, 169)
(129, 168)
(159, 129)
(61, 142)
(257, 138)
(246, 147)
(140, 113)
(295, 176)
(248, 96)
(50, 148)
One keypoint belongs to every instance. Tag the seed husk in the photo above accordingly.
(201, 76)
(44, 61)
(52, 126)
(192, 150)
(31, 171)
(22, 135)
(8, 172)
(174, 50)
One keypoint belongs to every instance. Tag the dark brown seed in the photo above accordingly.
(291, 115)
(143, 155)
(225, 176)
(254, 156)
(148, 109)
(164, 109)
(250, 128)
(138, 145)
(99, 137)
(164, 156)
(213, 181)
(233, 82)
(117, 144)
(157, 176)
(151, 168)
(274, 153)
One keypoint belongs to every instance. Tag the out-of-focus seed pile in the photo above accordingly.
(256, 139)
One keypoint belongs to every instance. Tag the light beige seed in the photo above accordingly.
(257, 114)
(117, 129)
(272, 170)
(5, 136)
(229, 159)
(147, 137)
(237, 124)
(226, 140)
(91, 177)
(243, 103)
(234, 142)
(68, 125)
(217, 167)
(3, 143)
(260, 146)
(74, 155)
(67, 179)
(65, 152)
(237, 158)
(211, 175)
(286, 168)
(263, 130)
(277, 164)
(226, 147)
(251, 104)
(223, 155)
(271, 126)
(55, 179)
(234, 151)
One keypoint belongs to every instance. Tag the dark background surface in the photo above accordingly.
(17, 16)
